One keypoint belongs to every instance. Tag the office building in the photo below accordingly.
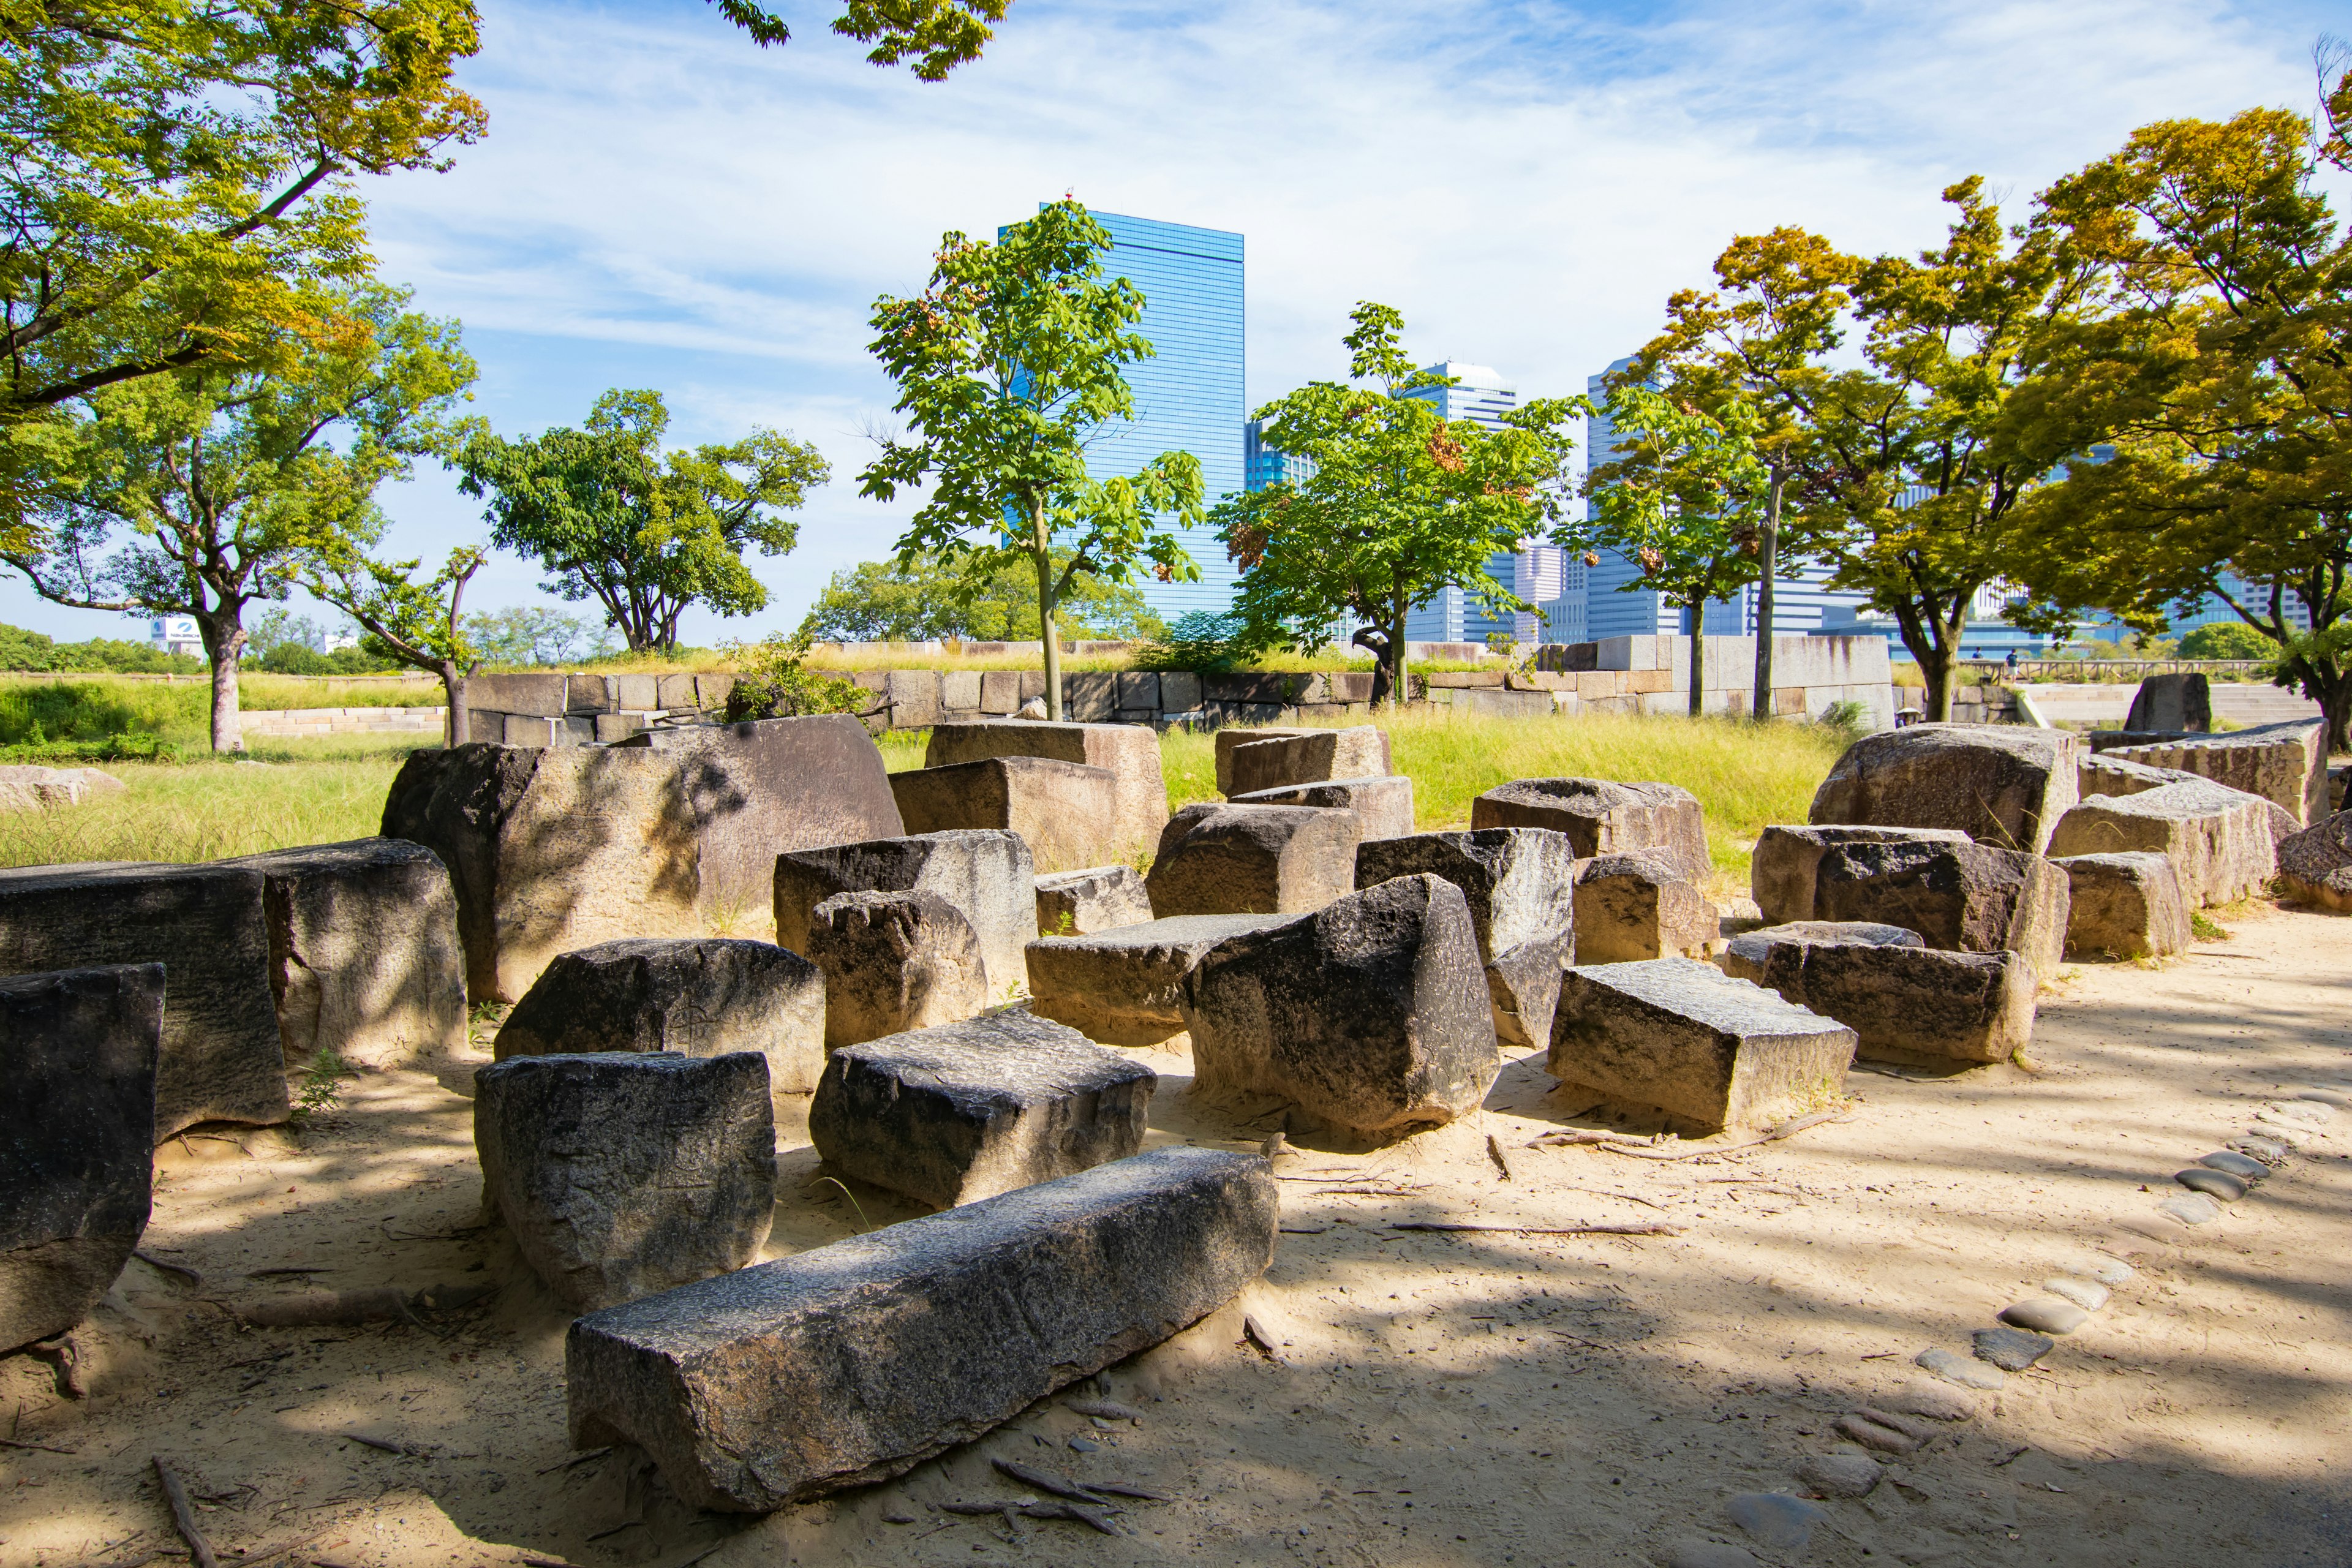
(1264, 466)
(1534, 571)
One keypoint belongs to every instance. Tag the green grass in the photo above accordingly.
(95, 707)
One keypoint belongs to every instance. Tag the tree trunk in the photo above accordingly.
(1939, 669)
(224, 646)
(453, 687)
(1768, 554)
(1041, 546)
(1398, 692)
(1698, 656)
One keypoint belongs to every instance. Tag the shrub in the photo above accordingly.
(1200, 641)
(772, 684)
(2226, 639)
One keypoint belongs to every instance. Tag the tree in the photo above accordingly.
(882, 601)
(534, 634)
(1400, 503)
(416, 624)
(938, 35)
(2225, 640)
(1688, 500)
(642, 532)
(1007, 364)
(223, 476)
(174, 185)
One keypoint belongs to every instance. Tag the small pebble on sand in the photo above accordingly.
(1937, 1401)
(2087, 1294)
(1775, 1519)
(2323, 1095)
(2266, 1149)
(2012, 1350)
(2230, 1163)
(2212, 1184)
(1840, 1474)
(2045, 1315)
(1959, 1369)
(2192, 1209)
(2098, 1266)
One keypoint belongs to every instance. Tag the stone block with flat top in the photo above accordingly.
(2285, 763)
(2218, 839)
(893, 961)
(853, 1363)
(1309, 756)
(1904, 1001)
(1125, 986)
(964, 1111)
(2003, 785)
(1068, 812)
(1253, 859)
(2126, 905)
(77, 1138)
(1690, 1040)
(1633, 906)
(1601, 816)
(985, 875)
(1131, 753)
(1787, 855)
(1071, 903)
(1960, 898)
(1232, 737)
(1383, 806)
(1520, 884)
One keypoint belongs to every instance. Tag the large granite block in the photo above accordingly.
(77, 1138)
(1371, 1014)
(1312, 756)
(2315, 866)
(985, 875)
(698, 996)
(1253, 859)
(220, 1059)
(2177, 702)
(854, 1362)
(1520, 884)
(1383, 806)
(1073, 903)
(1780, 872)
(2218, 839)
(1131, 753)
(1960, 898)
(1687, 1038)
(963, 1112)
(2002, 785)
(893, 961)
(1068, 812)
(1125, 986)
(364, 953)
(2124, 906)
(1232, 737)
(2285, 763)
(621, 1174)
(1904, 1001)
(1633, 906)
(1605, 817)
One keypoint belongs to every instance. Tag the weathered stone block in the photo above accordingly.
(959, 689)
(1125, 986)
(1787, 856)
(220, 1059)
(77, 1138)
(1232, 737)
(854, 1362)
(1253, 859)
(1068, 812)
(1903, 1001)
(965, 1112)
(622, 1174)
(698, 996)
(1139, 688)
(547, 696)
(2181, 702)
(2002, 785)
(1310, 756)
(364, 953)
(1603, 817)
(1633, 906)
(2218, 839)
(893, 961)
(2315, 866)
(1090, 697)
(1130, 752)
(984, 874)
(2286, 764)
(1687, 1038)
(1960, 898)
(1520, 885)
(1073, 903)
(999, 690)
(1383, 806)
(1180, 692)
(2125, 905)
(1372, 1014)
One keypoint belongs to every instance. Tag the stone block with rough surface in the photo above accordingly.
(624, 1175)
(1904, 1001)
(364, 953)
(1131, 753)
(1787, 855)
(1694, 1042)
(2315, 866)
(1068, 812)
(1520, 884)
(965, 1112)
(1371, 1015)
(2218, 839)
(699, 997)
(1313, 756)
(220, 1059)
(1232, 737)
(1635, 906)
(1959, 898)
(1073, 903)
(1253, 859)
(853, 1363)
(1125, 986)
(2182, 702)
(1603, 817)
(2002, 785)
(985, 875)
(1383, 806)
(2126, 905)
(893, 961)
(77, 1138)
(2285, 763)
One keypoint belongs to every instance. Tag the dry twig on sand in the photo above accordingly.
(1447, 1224)
(184, 1514)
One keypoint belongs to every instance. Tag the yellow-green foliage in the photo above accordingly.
(94, 706)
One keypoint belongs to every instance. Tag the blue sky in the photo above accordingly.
(660, 202)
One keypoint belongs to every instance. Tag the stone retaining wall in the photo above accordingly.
(295, 721)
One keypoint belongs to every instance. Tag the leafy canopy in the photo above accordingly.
(1685, 498)
(885, 601)
(937, 35)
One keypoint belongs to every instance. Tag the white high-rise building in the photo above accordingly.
(1536, 572)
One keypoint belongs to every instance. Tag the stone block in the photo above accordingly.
(1073, 903)
(1068, 812)
(364, 953)
(1130, 752)
(674, 691)
(2178, 702)
(1694, 1042)
(1960, 898)
(1033, 687)
(1371, 1015)
(220, 1059)
(1383, 806)
(486, 725)
(1180, 692)
(1787, 855)
(999, 690)
(77, 1138)
(1520, 885)
(2286, 764)
(1313, 756)
(964, 1111)
(1603, 817)
(2005, 785)
(1253, 859)
(639, 692)
(611, 727)
(851, 1364)
(1125, 986)
(1139, 689)
(706, 996)
(2126, 905)
(986, 875)
(2219, 839)
(1234, 736)
(959, 689)
(2315, 866)
(591, 694)
(533, 731)
(895, 962)
(1904, 1001)
(1659, 683)
(546, 696)
(1593, 686)
(621, 1174)
(1090, 697)
(1633, 906)
(711, 691)
(914, 699)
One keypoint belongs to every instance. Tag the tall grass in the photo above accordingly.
(95, 707)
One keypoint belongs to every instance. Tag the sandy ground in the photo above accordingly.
(1433, 1398)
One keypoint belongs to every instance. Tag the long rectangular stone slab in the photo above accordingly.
(853, 1363)
(1124, 986)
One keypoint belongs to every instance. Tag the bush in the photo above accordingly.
(772, 684)
(30, 650)
(1200, 641)
(2226, 639)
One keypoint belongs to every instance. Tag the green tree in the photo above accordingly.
(175, 181)
(417, 624)
(883, 601)
(1007, 365)
(937, 35)
(643, 532)
(222, 477)
(1400, 501)
(2225, 640)
(535, 634)
(1686, 498)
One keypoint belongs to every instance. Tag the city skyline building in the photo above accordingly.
(1535, 572)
